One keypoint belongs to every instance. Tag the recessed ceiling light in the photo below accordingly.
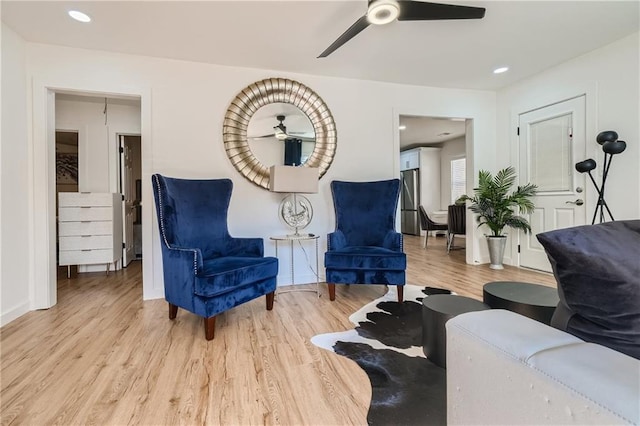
(500, 70)
(79, 16)
(402, 127)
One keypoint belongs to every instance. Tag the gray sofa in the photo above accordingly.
(506, 369)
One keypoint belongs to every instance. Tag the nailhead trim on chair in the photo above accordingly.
(162, 230)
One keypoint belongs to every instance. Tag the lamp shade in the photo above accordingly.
(614, 147)
(586, 165)
(293, 179)
(607, 136)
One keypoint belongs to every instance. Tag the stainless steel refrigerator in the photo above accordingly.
(409, 202)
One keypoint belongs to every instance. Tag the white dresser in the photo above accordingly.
(89, 228)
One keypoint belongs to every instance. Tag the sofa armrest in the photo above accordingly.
(336, 240)
(504, 368)
(393, 241)
(185, 256)
(180, 267)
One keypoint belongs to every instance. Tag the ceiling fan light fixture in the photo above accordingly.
(383, 12)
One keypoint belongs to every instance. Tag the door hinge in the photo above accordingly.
(122, 197)
(124, 245)
(518, 248)
(518, 131)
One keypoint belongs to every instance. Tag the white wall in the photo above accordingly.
(451, 150)
(183, 106)
(186, 105)
(609, 77)
(14, 209)
(430, 178)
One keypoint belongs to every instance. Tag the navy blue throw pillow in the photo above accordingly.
(597, 268)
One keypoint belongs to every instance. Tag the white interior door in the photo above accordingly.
(552, 141)
(128, 204)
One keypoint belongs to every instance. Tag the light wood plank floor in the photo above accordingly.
(103, 356)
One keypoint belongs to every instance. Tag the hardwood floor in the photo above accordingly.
(103, 356)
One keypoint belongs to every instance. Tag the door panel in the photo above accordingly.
(552, 141)
(128, 205)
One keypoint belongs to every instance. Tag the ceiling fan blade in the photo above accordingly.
(262, 137)
(420, 11)
(353, 31)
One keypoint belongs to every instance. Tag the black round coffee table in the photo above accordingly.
(531, 300)
(437, 309)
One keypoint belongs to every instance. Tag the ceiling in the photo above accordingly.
(287, 36)
(422, 131)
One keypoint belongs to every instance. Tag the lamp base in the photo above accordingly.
(296, 211)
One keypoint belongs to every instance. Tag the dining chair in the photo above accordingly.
(429, 225)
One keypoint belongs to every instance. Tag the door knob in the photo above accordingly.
(577, 202)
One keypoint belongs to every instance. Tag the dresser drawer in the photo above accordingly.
(71, 214)
(86, 242)
(85, 257)
(66, 229)
(77, 199)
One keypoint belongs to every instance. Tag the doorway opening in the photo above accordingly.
(130, 184)
(87, 171)
(66, 177)
(432, 166)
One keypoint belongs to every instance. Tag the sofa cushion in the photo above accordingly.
(378, 258)
(597, 268)
(224, 274)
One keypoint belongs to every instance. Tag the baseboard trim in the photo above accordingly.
(14, 313)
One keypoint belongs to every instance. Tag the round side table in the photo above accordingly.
(436, 311)
(535, 301)
(291, 239)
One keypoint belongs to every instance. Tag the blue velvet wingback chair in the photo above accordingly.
(365, 247)
(206, 271)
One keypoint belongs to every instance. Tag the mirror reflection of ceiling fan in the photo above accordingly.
(382, 12)
(280, 132)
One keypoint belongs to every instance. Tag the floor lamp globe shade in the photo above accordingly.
(614, 147)
(586, 165)
(607, 136)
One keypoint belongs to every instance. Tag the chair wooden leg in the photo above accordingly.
(270, 297)
(173, 311)
(209, 327)
(400, 293)
(332, 291)
(426, 239)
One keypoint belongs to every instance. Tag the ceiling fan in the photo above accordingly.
(280, 131)
(382, 12)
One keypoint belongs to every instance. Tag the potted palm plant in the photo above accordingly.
(497, 209)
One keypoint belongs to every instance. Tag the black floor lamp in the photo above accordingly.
(611, 146)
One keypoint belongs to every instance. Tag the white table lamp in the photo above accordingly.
(295, 210)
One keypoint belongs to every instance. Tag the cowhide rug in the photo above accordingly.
(407, 389)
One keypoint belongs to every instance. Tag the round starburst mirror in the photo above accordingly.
(271, 91)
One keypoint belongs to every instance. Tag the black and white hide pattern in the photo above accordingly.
(407, 388)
